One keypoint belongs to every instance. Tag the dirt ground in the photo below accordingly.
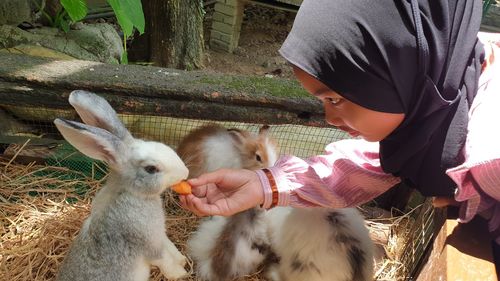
(263, 30)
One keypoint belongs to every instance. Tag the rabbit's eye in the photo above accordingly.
(257, 157)
(151, 169)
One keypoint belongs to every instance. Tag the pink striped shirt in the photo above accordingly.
(349, 173)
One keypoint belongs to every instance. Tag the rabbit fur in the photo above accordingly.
(296, 244)
(225, 248)
(125, 232)
(318, 244)
(213, 147)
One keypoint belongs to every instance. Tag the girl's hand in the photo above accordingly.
(441, 202)
(223, 192)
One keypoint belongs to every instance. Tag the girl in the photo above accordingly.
(413, 81)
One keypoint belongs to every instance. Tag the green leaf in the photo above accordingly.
(123, 20)
(64, 25)
(77, 9)
(58, 20)
(129, 15)
(124, 58)
(133, 9)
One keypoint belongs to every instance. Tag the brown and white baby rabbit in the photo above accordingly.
(225, 248)
(125, 232)
(213, 147)
(319, 244)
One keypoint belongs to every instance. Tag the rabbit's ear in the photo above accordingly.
(237, 135)
(264, 130)
(96, 111)
(94, 142)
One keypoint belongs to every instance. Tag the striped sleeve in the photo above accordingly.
(348, 174)
(478, 178)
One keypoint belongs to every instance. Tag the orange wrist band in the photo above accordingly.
(274, 188)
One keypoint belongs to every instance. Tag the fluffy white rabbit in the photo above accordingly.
(319, 244)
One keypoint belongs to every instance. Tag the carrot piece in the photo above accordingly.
(182, 187)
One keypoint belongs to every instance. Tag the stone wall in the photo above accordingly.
(226, 25)
(226, 22)
(96, 42)
(227, 19)
(14, 12)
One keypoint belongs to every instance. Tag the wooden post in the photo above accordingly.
(460, 252)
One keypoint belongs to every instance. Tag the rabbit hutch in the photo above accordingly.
(46, 186)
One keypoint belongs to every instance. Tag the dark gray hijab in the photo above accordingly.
(417, 57)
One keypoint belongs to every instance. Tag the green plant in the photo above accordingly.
(129, 14)
(60, 20)
(486, 6)
(76, 9)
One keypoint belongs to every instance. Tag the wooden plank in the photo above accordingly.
(292, 2)
(460, 252)
(27, 149)
(32, 141)
(280, 5)
(12, 94)
(489, 28)
(150, 90)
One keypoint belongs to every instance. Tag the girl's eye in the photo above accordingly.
(334, 101)
(151, 169)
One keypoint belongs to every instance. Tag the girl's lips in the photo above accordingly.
(353, 133)
(350, 131)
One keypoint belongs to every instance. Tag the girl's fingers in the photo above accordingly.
(199, 206)
(182, 201)
(440, 202)
(186, 203)
(208, 178)
(204, 208)
(189, 201)
(200, 191)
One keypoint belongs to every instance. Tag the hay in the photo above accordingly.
(42, 209)
(390, 268)
(38, 222)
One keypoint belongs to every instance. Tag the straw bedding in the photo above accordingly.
(43, 207)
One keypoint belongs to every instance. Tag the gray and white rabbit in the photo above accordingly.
(225, 248)
(125, 232)
(319, 244)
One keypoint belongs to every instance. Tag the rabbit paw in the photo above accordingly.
(181, 260)
(175, 272)
(171, 267)
(273, 273)
(172, 251)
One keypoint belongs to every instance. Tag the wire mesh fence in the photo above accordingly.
(421, 234)
(36, 123)
(29, 132)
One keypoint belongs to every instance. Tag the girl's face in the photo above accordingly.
(352, 118)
